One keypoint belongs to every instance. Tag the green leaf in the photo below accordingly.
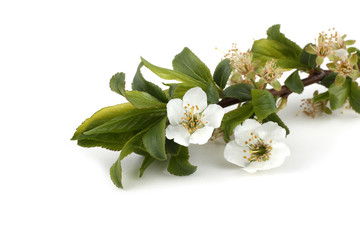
(274, 33)
(294, 83)
(319, 60)
(339, 94)
(102, 116)
(222, 73)
(212, 93)
(328, 79)
(134, 143)
(111, 141)
(241, 91)
(321, 97)
(143, 99)
(148, 160)
(172, 147)
(115, 173)
(133, 120)
(117, 83)
(307, 58)
(263, 102)
(179, 164)
(178, 90)
(354, 96)
(339, 80)
(140, 84)
(234, 118)
(189, 64)
(154, 140)
(169, 74)
(354, 49)
(275, 118)
(278, 47)
(276, 85)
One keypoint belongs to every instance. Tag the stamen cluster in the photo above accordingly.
(192, 120)
(258, 149)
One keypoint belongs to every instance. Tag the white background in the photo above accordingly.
(56, 59)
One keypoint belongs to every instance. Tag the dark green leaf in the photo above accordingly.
(179, 164)
(354, 97)
(263, 103)
(275, 118)
(154, 140)
(117, 83)
(294, 83)
(115, 173)
(173, 75)
(222, 73)
(189, 64)
(102, 116)
(133, 120)
(172, 147)
(307, 58)
(339, 94)
(234, 118)
(143, 99)
(140, 84)
(328, 79)
(148, 160)
(241, 91)
(134, 143)
(212, 93)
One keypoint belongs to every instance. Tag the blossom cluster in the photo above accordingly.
(256, 146)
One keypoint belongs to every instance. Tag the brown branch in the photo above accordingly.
(284, 91)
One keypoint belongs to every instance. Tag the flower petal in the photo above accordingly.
(195, 97)
(341, 53)
(179, 134)
(280, 150)
(242, 132)
(271, 131)
(201, 135)
(213, 115)
(175, 111)
(235, 154)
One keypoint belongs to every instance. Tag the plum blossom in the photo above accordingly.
(192, 120)
(256, 146)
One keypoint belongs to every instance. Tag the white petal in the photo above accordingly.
(202, 135)
(280, 150)
(235, 154)
(278, 154)
(179, 134)
(195, 97)
(175, 111)
(212, 115)
(242, 132)
(271, 131)
(341, 53)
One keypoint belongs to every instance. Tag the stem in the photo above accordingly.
(284, 91)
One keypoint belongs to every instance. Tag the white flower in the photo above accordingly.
(191, 119)
(256, 146)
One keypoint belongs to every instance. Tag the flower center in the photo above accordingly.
(258, 149)
(344, 68)
(192, 119)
